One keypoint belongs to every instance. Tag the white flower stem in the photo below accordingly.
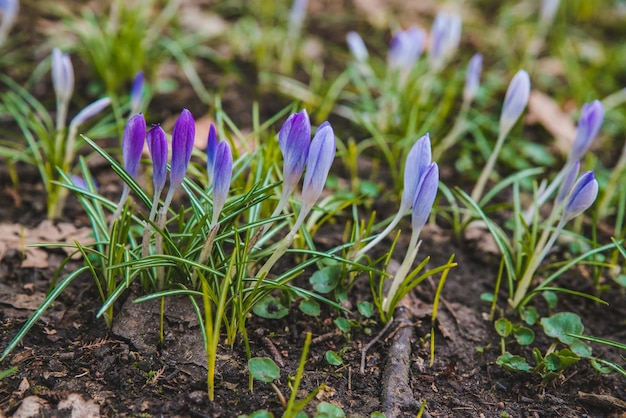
(403, 271)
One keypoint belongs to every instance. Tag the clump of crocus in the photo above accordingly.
(317, 157)
(514, 104)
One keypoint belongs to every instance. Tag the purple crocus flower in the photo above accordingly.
(591, 118)
(136, 92)
(222, 176)
(417, 162)
(62, 75)
(357, 46)
(182, 146)
(445, 37)
(8, 17)
(515, 100)
(157, 145)
(568, 181)
(294, 139)
(321, 156)
(405, 49)
(132, 143)
(582, 196)
(211, 150)
(472, 79)
(90, 111)
(425, 197)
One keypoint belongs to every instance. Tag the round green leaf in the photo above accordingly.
(551, 298)
(513, 363)
(561, 324)
(328, 410)
(530, 315)
(580, 349)
(333, 358)
(343, 324)
(503, 327)
(524, 336)
(326, 279)
(263, 369)
(270, 307)
(310, 307)
(486, 297)
(366, 309)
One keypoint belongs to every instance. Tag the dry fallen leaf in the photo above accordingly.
(18, 237)
(544, 110)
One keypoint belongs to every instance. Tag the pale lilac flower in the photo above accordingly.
(582, 196)
(8, 16)
(591, 118)
(211, 150)
(90, 111)
(132, 143)
(515, 100)
(357, 47)
(221, 177)
(157, 145)
(297, 15)
(136, 92)
(321, 156)
(472, 78)
(425, 197)
(62, 76)
(445, 38)
(182, 145)
(405, 49)
(548, 11)
(417, 162)
(294, 139)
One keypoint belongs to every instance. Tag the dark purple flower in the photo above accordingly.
(132, 143)
(221, 177)
(294, 139)
(157, 145)
(182, 145)
(211, 150)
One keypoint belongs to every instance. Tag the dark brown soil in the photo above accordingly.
(125, 371)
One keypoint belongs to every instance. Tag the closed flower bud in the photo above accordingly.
(472, 79)
(132, 143)
(294, 139)
(357, 46)
(90, 111)
(417, 162)
(8, 16)
(183, 136)
(425, 197)
(321, 156)
(581, 197)
(445, 38)
(157, 145)
(405, 49)
(515, 100)
(211, 150)
(136, 92)
(221, 177)
(591, 118)
(62, 75)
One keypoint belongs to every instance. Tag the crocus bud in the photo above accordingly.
(445, 38)
(357, 47)
(568, 181)
(90, 111)
(211, 150)
(405, 49)
(472, 78)
(582, 196)
(157, 145)
(136, 93)
(417, 162)
(62, 75)
(221, 177)
(182, 145)
(8, 16)
(425, 197)
(132, 143)
(548, 11)
(321, 156)
(294, 139)
(297, 15)
(591, 118)
(515, 100)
